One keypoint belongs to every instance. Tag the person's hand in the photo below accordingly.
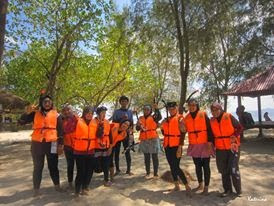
(179, 151)
(109, 150)
(209, 147)
(233, 139)
(234, 147)
(31, 108)
(131, 139)
(60, 149)
(155, 106)
(138, 124)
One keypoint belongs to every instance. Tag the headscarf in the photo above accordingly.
(216, 105)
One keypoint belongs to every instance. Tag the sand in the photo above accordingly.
(256, 167)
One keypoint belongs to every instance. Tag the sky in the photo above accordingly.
(267, 102)
(121, 3)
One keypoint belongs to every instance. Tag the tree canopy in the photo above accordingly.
(88, 52)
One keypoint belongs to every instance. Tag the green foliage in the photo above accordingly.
(84, 52)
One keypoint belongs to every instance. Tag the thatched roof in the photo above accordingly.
(258, 85)
(11, 101)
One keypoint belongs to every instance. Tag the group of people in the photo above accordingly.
(93, 143)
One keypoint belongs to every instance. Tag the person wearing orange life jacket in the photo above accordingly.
(69, 127)
(200, 148)
(102, 142)
(118, 133)
(226, 130)
(83, 150)
(149, 139)
(173, 142)
(46, 140)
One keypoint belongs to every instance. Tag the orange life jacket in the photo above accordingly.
(103, 142)
(172, 132)
(116, 137)
(150, 125)
(196, 128)
(44, 127)
(69, 137)
(83, 141)
(222, 132)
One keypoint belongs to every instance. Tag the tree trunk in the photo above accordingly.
(51, 85)
(3, 14)
(225, 103)
(184, 73)
(183, 44)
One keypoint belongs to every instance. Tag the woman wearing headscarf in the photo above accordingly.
(149, 139)
(171, 128)
(83, 150)
(69, 128)
(101, 126)
(46, 140)
(226, 130)
(200, 138)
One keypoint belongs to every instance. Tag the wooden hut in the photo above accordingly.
(10, 105)
(259, 85)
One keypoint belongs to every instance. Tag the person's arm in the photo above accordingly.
(110, 137)
(115, 117)
(26, 118)
(237, 126)
(130, 117)
(59, 128)
(182, 131)
(209, 130)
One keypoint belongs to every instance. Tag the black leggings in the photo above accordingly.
(70, 163)
(85, 166)
(155, 162)
(127, 154)
(38, 165)
(200, 165)
(174, 164)
(111, 158)
(228, 166)
(105, 164)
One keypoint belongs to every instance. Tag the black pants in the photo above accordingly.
(202, 165)
(70, 163)
(174, 164)
(105, 164)
(38, 152)
(155, 162)
(85, 165)
(111, 158)
(228, 166)
(127, 154)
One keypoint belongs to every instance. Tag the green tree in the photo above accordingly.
(62, 25)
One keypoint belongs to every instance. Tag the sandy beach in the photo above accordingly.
(256, 167)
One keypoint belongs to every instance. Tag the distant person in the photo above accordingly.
(266, 117)
(245, 118)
